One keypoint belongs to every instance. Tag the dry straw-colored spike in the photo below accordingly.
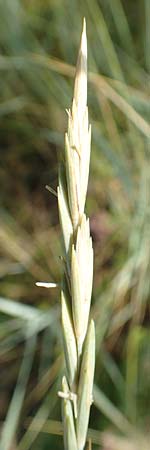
(78, 331)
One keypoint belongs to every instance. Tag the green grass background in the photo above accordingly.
(39, 42)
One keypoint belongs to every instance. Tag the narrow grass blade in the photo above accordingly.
(12, 419)
(37, 422)
(110, 411)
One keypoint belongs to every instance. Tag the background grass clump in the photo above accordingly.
(38, 49)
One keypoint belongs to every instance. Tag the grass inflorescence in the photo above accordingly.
(78, 331)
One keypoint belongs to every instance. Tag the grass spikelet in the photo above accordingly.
(78, 333)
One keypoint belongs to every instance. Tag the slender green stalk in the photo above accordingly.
(78, 330)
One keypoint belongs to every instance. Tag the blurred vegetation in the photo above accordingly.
(39, 43)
